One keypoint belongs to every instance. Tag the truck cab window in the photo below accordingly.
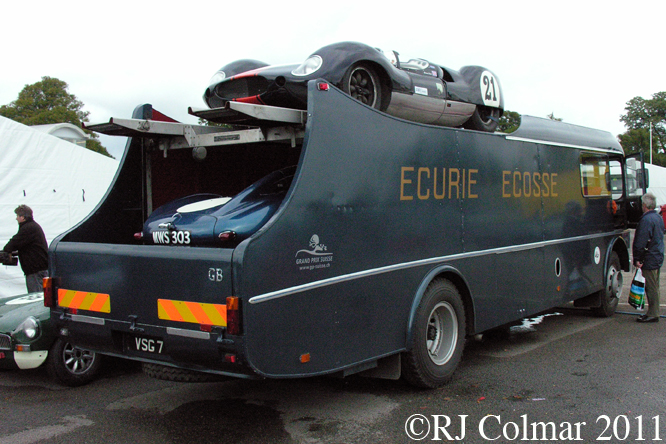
(595, 176)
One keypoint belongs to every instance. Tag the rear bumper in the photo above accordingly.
(212, 352)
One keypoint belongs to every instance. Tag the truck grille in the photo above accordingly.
(5, 342)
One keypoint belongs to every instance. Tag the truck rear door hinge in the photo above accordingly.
(133, 326)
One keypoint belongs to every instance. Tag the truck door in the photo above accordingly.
(636, 182)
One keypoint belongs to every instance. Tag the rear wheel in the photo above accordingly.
(362, 82)
(484, 119)
(610, 295)
(71, 365)
(438, 338)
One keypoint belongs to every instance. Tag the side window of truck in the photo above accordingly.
(595, 176)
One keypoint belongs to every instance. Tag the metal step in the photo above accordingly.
(250, 114)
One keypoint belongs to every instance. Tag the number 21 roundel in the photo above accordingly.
(490, 90)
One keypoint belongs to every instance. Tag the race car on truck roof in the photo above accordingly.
(410, 88)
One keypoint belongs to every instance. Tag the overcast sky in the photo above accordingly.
(581, 60)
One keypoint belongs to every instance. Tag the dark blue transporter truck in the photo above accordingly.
(338, 240)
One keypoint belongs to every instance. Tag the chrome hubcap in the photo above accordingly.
(442, 333)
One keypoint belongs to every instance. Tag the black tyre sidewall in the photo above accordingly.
(477, 123)
(418, 367)
(375, 78)
(608, 305)
(175, 374)
(56, 367)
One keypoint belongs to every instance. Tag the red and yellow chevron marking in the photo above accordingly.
(195, 312)
(84, 300)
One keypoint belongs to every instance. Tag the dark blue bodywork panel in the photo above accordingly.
(336, 267)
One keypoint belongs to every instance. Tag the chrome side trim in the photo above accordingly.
(564, 145)
(187, 333)
(88, 319)
(418, 263)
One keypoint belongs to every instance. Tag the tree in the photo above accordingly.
(640, 113)
(47, 102)
(509, 122)
(637, 140)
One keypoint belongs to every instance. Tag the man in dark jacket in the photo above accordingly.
(648, 251)
(30, 243)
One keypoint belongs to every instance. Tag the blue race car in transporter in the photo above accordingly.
(413, 89)
(211, 220)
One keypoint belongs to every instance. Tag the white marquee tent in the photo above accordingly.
(657, 183)
(60, 181)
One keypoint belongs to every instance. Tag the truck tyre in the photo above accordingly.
(71, 365)
(174, 374)
(438, 338)
(610, 295)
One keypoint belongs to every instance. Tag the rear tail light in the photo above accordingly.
(227, 236)
(50, 285)
(234, 326)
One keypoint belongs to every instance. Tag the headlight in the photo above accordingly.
(310, 65)
(29, 328)
(217, 78)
